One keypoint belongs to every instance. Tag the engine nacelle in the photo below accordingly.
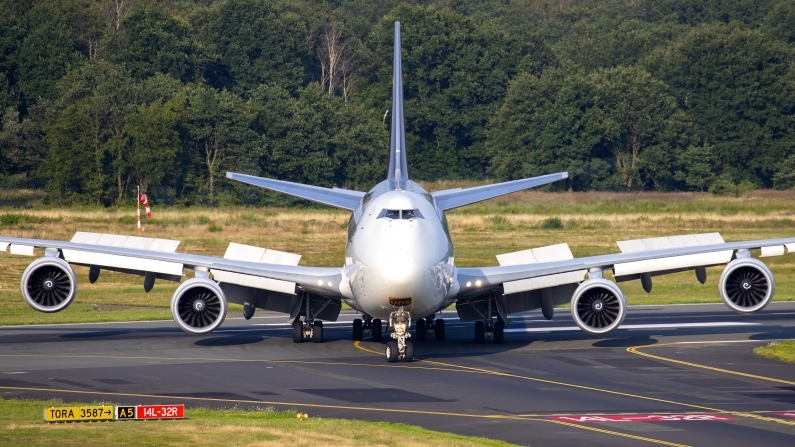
(746, 285)
(598, 306)
(49, 284)
(198, 306)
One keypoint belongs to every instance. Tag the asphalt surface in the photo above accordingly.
(672, 375)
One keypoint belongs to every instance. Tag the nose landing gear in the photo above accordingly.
(399, 348)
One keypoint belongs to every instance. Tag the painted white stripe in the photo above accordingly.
(636, 326)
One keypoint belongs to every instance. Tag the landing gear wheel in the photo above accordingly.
(298, 331)
(357, 330)
(376, 330)
(420, 330)
(499, 332)
(391, 351)
(317, 332)
(409, 354)
(439, 329)
(480, 332)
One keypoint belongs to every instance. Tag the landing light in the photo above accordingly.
(320, 282)
(478, 283)
(329, 283)
(469, 284)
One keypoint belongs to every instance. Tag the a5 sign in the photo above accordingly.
(150, 412)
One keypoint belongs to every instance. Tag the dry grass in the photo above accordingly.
(20, 424)
(783, 351)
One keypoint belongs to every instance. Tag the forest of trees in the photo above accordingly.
(99, 96)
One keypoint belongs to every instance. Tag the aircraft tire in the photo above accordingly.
(409, 355)
(499, 332)
(298, 331)
(391, 351)
(376, 330)
(439, 329)
(357, 329)
(317, 332)
(480, 332)
(420, 328)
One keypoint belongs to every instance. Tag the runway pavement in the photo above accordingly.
(672, 375)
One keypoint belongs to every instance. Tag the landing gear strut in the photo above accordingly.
(309, 328)
(399, 348)
(488, 328)
(369, 326)
(429, 326)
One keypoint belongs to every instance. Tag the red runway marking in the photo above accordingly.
(786, 415)
(646, 418)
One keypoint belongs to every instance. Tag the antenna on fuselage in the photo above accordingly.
(398, 168)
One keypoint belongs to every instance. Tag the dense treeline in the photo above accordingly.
(98, 96)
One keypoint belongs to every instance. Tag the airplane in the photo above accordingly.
(399, 266)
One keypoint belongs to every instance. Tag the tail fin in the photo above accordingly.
(398, 174)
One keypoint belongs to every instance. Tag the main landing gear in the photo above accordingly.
(399, 348)
(309, 328)
(370, 326)
(312, 330)
(488, 328)
(429, 326)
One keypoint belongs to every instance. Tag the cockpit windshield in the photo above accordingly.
(400, 214)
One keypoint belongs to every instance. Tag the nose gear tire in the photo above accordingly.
(391, 351)
(409, 354)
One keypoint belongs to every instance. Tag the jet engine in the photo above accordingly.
(198, 306)
(49, 284)
(598, 306)
(746, 285)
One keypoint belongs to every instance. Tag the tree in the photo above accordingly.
(633, 113)
(336, 61)
(737, 88)
(219, 129)
(545, 125)
(154, 141)
(698, 167)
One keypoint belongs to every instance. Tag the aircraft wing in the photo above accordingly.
(130, 259)
(643, 256)
(454, 198)
(341, 198)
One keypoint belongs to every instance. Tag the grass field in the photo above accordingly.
(21, 424)
(589, 222)
(783, 351)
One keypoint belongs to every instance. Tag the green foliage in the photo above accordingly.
(644, 95)
(552, 223)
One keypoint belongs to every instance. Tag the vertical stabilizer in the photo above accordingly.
(398, 168)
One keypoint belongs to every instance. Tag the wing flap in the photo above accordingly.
(671, 263)
(251, 253)
(120, 261)
(550, 253)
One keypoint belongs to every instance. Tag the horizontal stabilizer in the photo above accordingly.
(454, 198)
(340, 198)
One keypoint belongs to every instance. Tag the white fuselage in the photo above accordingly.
(399, 252)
